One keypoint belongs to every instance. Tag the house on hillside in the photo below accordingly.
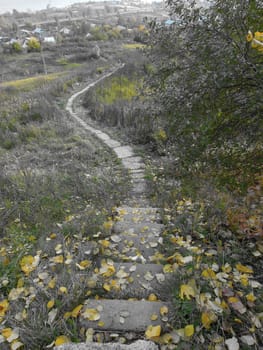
(49, 40)
(169, 22)
(65, 31)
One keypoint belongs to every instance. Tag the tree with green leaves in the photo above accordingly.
(208, 82)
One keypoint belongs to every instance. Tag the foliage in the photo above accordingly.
(207, 84)
(16, 47)
(33, 44)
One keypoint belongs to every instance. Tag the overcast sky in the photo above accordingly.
(24, 5)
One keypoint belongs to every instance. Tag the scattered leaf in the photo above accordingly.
(189, 330)
(186, 291)
(62, 339)
(153, 331)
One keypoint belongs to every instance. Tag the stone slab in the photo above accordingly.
(112, 143)
(102, 136)
(127, 227)
(124, 315)
(124, 151)
(140, 281)
(132, 163)
(138, 345)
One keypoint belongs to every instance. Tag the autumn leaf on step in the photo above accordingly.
(91, 314)
(153, 332)
(186, 291)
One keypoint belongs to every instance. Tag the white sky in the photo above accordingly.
(24, 5)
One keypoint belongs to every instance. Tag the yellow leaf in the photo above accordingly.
(83, 264)
(62, 339)
(104, 243)
(67, 315)
(107, 287)
(186, 291)
(154, 317)
(251, 297)
(108, 225)
(27, 264)
(153, 331)
(59, 259)
(167, 338)
(4, 305)
(209, 274)
(152, 297)
(168, 268)
(52, 283)
(164, 310)
(75, 312)
(63, 290)
(6, 332)
(91, 314)
(101, 324)
(189, 330)
(242, 268)
(207, 318)
(50, 304)
(52, 236)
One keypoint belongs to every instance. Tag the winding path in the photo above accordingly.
(129, 271)
(129, 160)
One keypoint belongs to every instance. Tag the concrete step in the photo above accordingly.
(127, 227)
(124, 152)
(124, 315)
(133, 163)
(138, 345)
(135, 280)
(134, 247)
(138, 215)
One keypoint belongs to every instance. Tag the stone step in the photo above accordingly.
(124, 315)
(138, 345)
(133, 163)
(134, 247)
(131, 280)
(124, 151)
(138, 215)
(127, 227)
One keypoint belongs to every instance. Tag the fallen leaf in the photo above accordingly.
(76, 311)
(153, 331)
(152, 297)
(207, 318)
(186, 291)
(62, 339)
(244, 269)
(52, 315)
(248, 340)
(237, 305)
(91, 314)
(164, 310)
(189, 330)
(50, 304)
(16, 345)
(232, 344)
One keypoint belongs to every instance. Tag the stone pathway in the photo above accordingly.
(128, 269)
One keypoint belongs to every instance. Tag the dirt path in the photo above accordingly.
(132, 308)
